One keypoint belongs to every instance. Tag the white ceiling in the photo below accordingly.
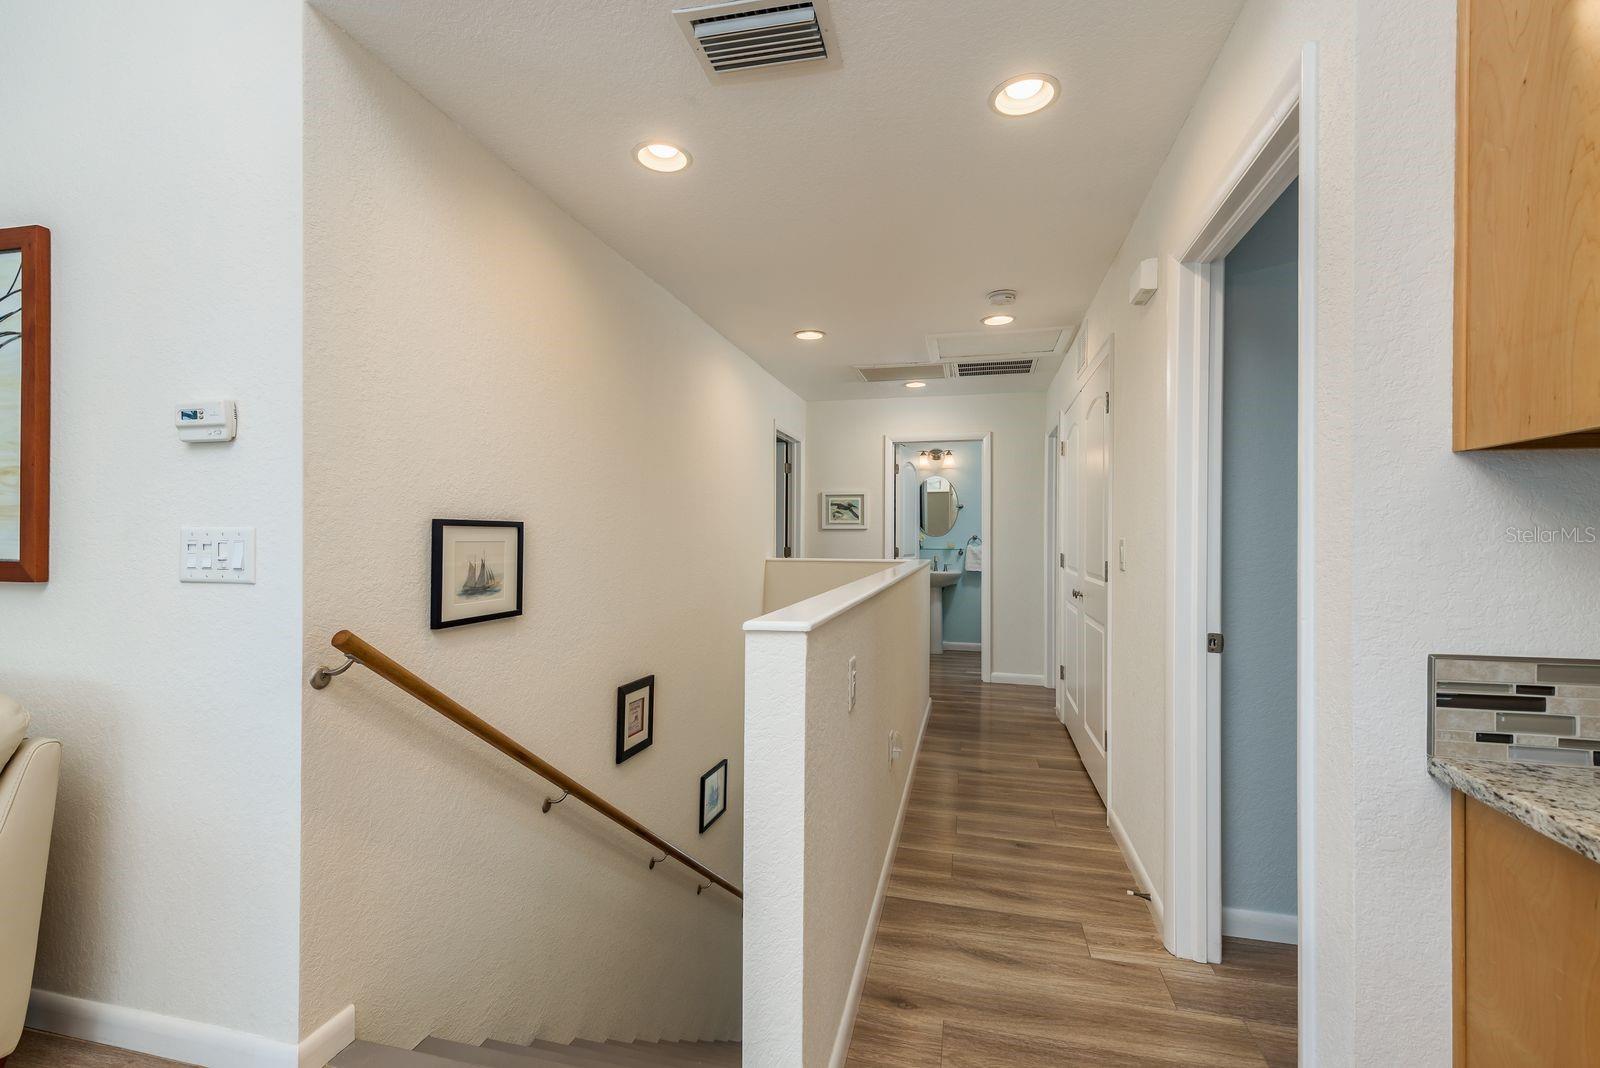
(879, 199)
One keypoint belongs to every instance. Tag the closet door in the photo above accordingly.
(1086, 434)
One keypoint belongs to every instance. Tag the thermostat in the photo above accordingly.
(207, 421)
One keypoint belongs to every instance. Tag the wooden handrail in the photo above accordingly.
(383, 666)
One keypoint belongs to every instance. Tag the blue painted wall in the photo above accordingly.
(963, 614)
(1258, 565)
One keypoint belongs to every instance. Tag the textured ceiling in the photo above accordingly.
(879, 199)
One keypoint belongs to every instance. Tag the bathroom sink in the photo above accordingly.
(941, 579)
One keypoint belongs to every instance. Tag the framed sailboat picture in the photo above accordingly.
(477, 571)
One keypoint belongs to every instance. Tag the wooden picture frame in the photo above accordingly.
(716, 781)
(476, 571)
(636, 717)
(843, 511)
(25, 437)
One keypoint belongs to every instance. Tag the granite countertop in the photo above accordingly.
(1563, 804)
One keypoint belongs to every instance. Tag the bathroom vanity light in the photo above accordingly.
(809, 335)
(661, 156)
(944, 457)
(1024, 94)
(999, 320)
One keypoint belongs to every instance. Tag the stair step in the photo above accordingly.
(683, 1053)
(482, 1055)
(633, 1054)
(585, 1054)
(563, 1055)
(371, 1055)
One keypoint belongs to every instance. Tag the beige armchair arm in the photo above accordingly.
(27, 810)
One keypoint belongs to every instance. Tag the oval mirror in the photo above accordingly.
(939, 506)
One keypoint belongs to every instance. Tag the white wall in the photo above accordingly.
(471, 351)
(798, 578)
(844, 453)
(1411, 547)
(1265, 43)
(1434, 569)
(823, 827)
(161, 145)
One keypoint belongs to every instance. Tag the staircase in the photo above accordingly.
(437, 1053)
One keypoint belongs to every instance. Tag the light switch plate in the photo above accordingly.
(852, 684)
(217, 554)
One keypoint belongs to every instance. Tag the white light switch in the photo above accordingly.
(852, 684)
(217, 554)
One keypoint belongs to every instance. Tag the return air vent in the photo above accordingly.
(986, 368)
(900, 372)
(730, 38)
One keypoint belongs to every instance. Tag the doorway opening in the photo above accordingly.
(941, 489)
(1252, 584)
(786, 496)
(1219, 578)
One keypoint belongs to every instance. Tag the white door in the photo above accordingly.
(1087, 570)
(907, 510)
(1070, 655)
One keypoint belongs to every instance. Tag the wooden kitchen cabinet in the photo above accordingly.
(1527, 287)
(1527, 946)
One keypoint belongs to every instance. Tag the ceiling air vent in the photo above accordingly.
(730, 38)
(900, 372)
(985, 368)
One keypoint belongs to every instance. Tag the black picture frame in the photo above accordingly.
(436, 620)
(648, 685)
(705, 824)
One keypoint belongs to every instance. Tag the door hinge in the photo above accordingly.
(788, 469)
(1213, 642)
(1108, 571)
(787, 552)
(1063, 561)
(1108, 402)
(1063, 447)
(1061, 672)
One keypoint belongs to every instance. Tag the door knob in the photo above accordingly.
(1077, 593)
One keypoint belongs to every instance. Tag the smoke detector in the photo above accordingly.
(733, 38)
(1003, 298)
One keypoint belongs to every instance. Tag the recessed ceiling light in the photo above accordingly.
(916, 385)
(660, 156)
(1024, 94)
(809, 335)
(998, 320)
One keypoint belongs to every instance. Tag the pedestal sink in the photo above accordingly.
(938, 581)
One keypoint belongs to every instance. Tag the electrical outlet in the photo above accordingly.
(896, 747)
(1122, 554)
(852, 684)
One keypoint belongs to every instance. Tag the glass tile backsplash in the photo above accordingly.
(1519, 710)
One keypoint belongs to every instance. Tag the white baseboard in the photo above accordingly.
(1006, 678)
(964, 647)
(1141, 874)
(323, 1044)
(852, 1003)
(1263, 926)
(185, 1040)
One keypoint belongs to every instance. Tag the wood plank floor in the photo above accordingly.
(40, 1049)
(1008, 938)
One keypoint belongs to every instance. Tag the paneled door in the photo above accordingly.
(1086, 570)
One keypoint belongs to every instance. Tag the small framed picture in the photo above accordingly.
(636, 716)
(713, 795)
(844, 511)
(477, 571)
